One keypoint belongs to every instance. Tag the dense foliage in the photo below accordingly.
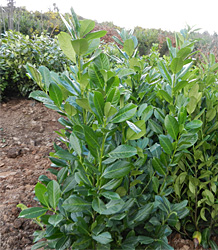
(16, 50)
(140, 145)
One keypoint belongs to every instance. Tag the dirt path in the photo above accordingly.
(26, 138)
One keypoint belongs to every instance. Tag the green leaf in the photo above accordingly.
(40, 191)
(128, 47)
(154, 126)
(75, 204)
(103, 238)
(166, 144)
(70, 110)
(41, 96)
(192, 105)
(172, 126)
(158, 166)
(96, 34)
(183, 53)
(83, 103)
(137, 131)
(113, 96)
(102, 62)
(125, 113)
(69, 184)
(64, 40)
(111, 195)
(147, 113)
(213, 245)
(80, 46)
(55, 94)
(91, 137)
(32, 212)
(164, 72)
(46, 77)
(125, 72)
(166, 96)
(117, 170)
(144, 212)
(122, 151)
(96, 77)
(75, 144)
(179, 86)
(155, 184)
(55, 219)
(176, 64)
(35, 75)
(109, 110)
(145, 240)
(98, 205)
(99, 105)
(63, 243)
(195, 124)
(86, 26)
(54, 193)
(39, 245)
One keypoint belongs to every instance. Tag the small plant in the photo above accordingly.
(112, 179)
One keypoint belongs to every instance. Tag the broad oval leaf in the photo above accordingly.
(54, 193)
(55, 94)
(86, 26)
(128, 47)
(158, 166)
(80, 46)
(166, 144)
(64, 40)
(176, 64)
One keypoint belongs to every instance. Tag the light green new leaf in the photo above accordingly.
(46, 77)
(75, 144)
(166, 144)
(176, 64)
(55, 94)
(164, 72)
(86, 26)
(103, 238)
(64, 40)
(137, 131)
(125, 72)
(83, 103)
(75, 204)
(172, 126)
(125, 113)
(158, 166)
(147, 113)
(32, 212)
(102, 62)
(128, 47)
(179, 86)
(109, 110)
(123, 151)
(80, 46)
(70, 110)
(183, 53)
(54, 193)
(117, 170)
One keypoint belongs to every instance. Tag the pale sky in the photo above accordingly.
(170, 15)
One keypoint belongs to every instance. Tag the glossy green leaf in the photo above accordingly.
(86, 26)
(176, 64)
(125, 113)
(64, 40)
(123, 151)
(128, 47)
(41, 97)
(117, 170)
(166, 96)
(102, 62)
(55, 94)
(158, 166)
(180, 85)
(103, 238)
(99, 105)
(96, 34)
(172, 126)
(32, 212)
(80, 46)
(70, 110)
(109, 110)
(136, 130)
(55, 219)
(75, 144)
(113, 96)
(110, 195)
(40, 191)
(166, 144)
(75, 204)
(83, 103)
(54, 193)
(46, 77)
(154, 126)
(38, 245)
(35, 75)
(164, 72)
(195, 124)
(147, 113)
(125, 72)
(98, 205)
(144, 212)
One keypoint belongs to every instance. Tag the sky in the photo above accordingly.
(171, 15)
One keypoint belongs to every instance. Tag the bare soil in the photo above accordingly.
(26, 138)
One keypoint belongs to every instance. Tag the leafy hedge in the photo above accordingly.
(16, 50)
(141, 138)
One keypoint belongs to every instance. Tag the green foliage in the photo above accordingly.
(16, 50)
(140, 154)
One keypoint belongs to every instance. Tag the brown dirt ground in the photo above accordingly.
(26, 138)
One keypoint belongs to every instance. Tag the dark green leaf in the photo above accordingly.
(166, 144)
(103, 238)
(158, 166)
(123, 151)
(55, 94)
(125, 113)
(172, 126)
(75, 204)
(32, 212)
(117, 170)
(54, 193)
